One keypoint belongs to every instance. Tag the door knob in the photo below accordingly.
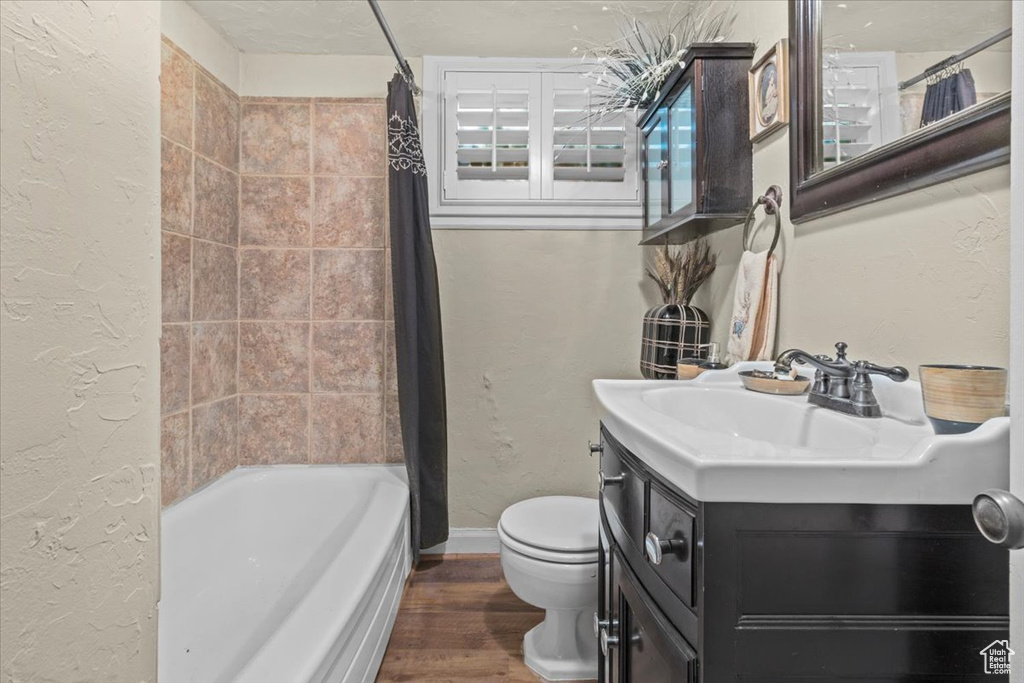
(608, 641)
(1000, 518)
(605, 481)
(601, 624)
(656, 548)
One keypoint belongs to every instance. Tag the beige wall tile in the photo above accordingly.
(347, 428)
(175, 187)
(175, 95)
(274, 284)
(348, 212)
(389, 287)
(214, 440)
(216, 198)
(273, 357)
(214, 361)
(273, 429)
(394, 448)
(348, 284)
(348, 357)
(175, 277)
(275, 138)
(390, 362)
(275, 212)
(216, 122)
(174, 457)
(349, 139)
(174, 368)
(214, 281)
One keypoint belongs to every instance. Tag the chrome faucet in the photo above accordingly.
(840, 384)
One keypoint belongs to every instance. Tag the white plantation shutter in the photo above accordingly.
(493, 134)
(516, 143)
(489, 132)
(591, 157)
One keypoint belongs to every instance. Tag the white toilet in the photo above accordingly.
(549, 557)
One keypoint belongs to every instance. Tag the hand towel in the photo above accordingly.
(755, 308)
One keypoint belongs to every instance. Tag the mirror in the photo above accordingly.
(882, 61)
(892, 96)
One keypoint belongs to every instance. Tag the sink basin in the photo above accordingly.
(719, 442)
(782, 422)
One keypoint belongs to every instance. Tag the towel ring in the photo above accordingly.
(770, 200)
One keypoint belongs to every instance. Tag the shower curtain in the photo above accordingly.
(421, 393)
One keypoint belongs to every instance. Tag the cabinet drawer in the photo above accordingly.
(622, 490)
(669, 545)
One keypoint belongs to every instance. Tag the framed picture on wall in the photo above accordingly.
(769, 91)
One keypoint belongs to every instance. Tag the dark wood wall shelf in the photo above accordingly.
(696, 157)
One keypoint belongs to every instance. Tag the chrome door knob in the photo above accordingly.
(601, 624)
(608, 641)
(603, 480)
(1000, 518)
(655, 548)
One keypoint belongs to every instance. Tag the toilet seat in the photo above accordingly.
(558, 529)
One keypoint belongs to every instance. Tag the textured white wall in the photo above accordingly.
(80, 289)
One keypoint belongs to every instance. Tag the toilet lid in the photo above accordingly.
(559, 523)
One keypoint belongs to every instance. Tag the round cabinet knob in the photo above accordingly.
(1000, 518)
(655, 548)
(603, 480)
(607, 641)
(601, 624)
(595, 447)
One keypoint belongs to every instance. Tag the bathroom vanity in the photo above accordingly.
(753, 548)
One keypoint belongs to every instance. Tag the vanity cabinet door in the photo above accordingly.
(609, 665)
(652, 650)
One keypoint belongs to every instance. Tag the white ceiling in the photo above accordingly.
(499, 28)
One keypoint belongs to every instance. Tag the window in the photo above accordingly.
(516, 143)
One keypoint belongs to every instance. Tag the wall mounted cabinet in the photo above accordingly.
(696, 157)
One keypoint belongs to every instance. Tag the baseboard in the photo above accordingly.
(466, 542)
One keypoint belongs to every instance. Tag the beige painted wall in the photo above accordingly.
(530, 317)
(80, 289)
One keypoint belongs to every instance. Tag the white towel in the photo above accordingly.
(755, 308)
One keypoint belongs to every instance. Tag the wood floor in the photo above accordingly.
(459, 621)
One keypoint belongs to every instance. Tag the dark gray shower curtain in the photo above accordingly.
(421, 394)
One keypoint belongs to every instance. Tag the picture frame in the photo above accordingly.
(768, 85)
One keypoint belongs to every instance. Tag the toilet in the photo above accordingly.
(549, 557)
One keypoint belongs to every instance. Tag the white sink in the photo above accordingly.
(720, 442)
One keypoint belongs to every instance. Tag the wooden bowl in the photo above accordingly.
(770, 385)
(688, 370)
(958, 398)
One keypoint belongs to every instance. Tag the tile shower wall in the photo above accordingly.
(278, 334)
(199, 230)
(316, 373)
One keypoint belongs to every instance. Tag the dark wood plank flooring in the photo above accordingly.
(459, 621)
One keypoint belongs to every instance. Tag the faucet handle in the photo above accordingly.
(841, 351)
(897, 373)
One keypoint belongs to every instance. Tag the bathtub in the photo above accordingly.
(283, 574)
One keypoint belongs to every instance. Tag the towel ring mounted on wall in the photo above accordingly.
(770, 200)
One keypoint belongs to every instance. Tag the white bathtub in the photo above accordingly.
(283, 574)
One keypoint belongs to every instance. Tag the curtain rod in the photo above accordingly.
(403, 65)
(955, 59)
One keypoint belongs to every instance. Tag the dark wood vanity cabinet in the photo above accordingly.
(696, 153)
(773, 593)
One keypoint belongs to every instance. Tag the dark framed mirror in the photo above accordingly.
(884, 104)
